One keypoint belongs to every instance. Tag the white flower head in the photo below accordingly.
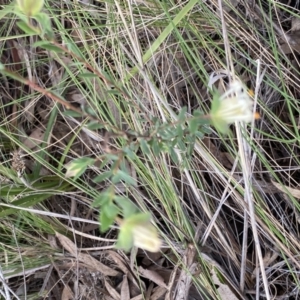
(234, 105)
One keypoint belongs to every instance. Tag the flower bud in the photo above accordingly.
(30, 7)
(138, 231)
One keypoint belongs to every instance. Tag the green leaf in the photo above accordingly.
(88, 75)
(181, 145)
(121, 175)
(128, 208)
(104, 198)
(182, 114)
(111, 210)
(73, 48)
(72, 113)
(129, 153)
(125, 238)
(7, 10)
(94, 125)
(27, 29)
(191, 144)
(193, 125)
(155, 147)
(78, 166)
(103, 176)
(48, 46)
(113, 92)
(89, 110)
(179, 131)
(145, 147)
(105, 221)
(173, 155)
(45, 23)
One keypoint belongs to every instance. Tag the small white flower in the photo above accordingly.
(234, 105)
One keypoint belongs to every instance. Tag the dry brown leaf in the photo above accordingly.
(90, 262)
(125, 294)
(151, 257)
(36, 138)
(293, 42)
(158, 292)
(153, 276)
(67, 293)
(115, 295)
(106, 297)
(149, 291)
(223, 289)
(123, 266)
(283, 188)
(295, 24)
(118, 260)
(139, 297)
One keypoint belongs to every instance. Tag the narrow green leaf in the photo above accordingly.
(121, 175)
(125, 239)
(128, 208)
(94, 125)
(155, 147)
(73, 48)
(27, 29)
(103, 199)
(145, 147)
(179, 131)
(111, 210)
(173, 155)
(193, 125)
(45, 23)
(71, 113)
(113, 92)
(105, 220)
(184, 11)
(129, 153)
(48, 46)
(7, 9)
(88, 75)
(182, 114)
(116, 178)
(103, 176)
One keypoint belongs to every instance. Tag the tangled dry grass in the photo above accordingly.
(153, 57)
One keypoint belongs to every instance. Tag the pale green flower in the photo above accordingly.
(138, 231)
(145, 236)
(30, 7)
(234, 105)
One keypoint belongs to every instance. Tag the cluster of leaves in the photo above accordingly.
(163, 138)
(176, 139)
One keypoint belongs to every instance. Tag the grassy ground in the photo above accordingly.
(228, 216)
